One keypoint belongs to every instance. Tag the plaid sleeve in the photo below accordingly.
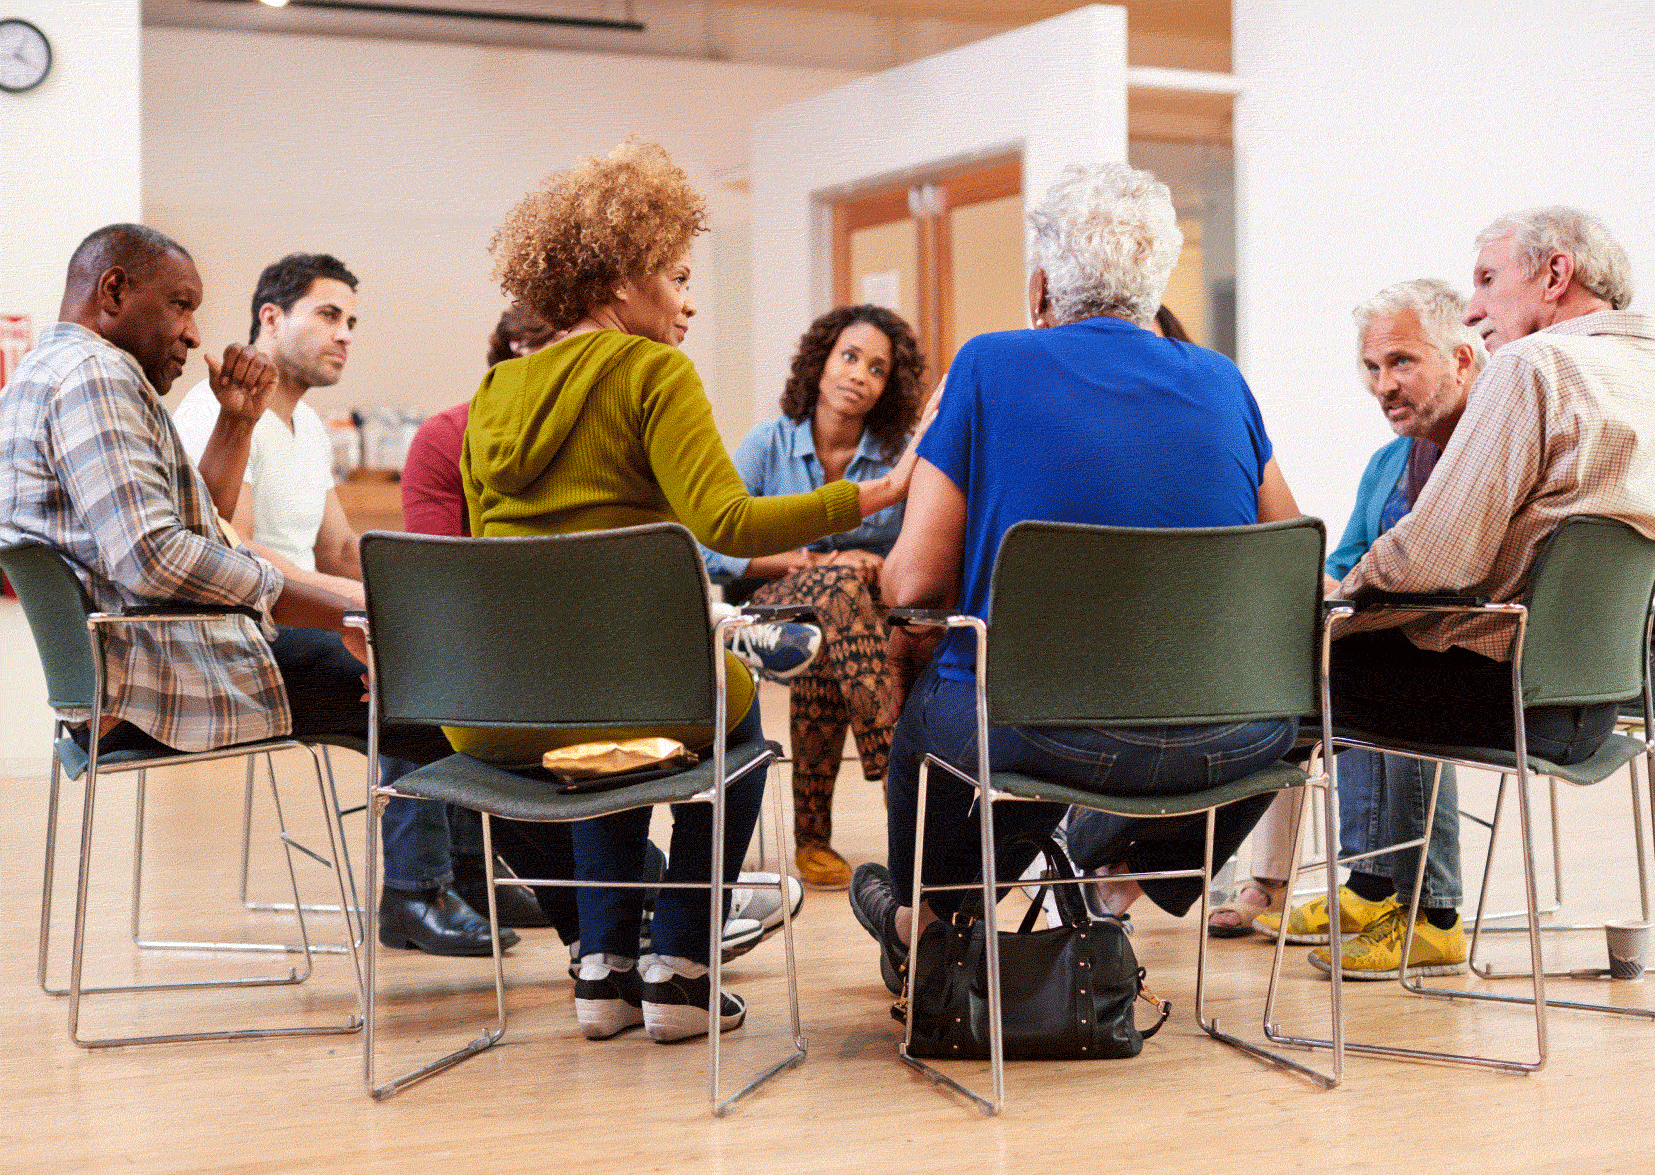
(1454, 536)
(121, 488)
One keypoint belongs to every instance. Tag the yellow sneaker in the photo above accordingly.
(1307, 924)
(1376, 953)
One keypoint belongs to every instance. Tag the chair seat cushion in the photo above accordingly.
(1278, 775)
(472, 783)
(73, 758)
(1615, 753)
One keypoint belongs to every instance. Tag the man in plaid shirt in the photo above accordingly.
(93, 467)
(1561, 422)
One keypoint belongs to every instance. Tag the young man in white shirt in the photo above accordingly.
(304, 313)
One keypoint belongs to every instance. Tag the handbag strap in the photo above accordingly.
(1154, 1001)
(1071, 906)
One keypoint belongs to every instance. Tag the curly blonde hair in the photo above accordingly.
(584, 231)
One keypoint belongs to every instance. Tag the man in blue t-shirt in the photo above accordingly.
(1090, 418)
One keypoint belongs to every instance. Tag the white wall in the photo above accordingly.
(1054, 90)
(402, 157)
(69, 148)
(1374, 141)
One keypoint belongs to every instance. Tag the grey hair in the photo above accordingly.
(1600, 263)
(1107, 238)
(136, 248)
(1441, 310)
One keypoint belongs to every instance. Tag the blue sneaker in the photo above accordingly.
(779, 651)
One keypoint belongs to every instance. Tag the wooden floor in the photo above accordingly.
(545, 1098)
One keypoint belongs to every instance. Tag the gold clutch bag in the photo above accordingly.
(599, 765)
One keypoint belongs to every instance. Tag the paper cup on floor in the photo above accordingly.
(1628, 943)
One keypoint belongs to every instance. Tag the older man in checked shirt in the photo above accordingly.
(91, 465)
(1561, 422)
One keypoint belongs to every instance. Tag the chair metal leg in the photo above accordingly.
(1407, 946)
(45, 940)
(1638, 837)
(1326, 1081)
(721, 1106)
(76, 988)
(302, 947)
(1488, 971)
(490, 1037)
(337, 816)
(936, 1076)
(1493, 825)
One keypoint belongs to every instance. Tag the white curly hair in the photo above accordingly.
(1107, 237)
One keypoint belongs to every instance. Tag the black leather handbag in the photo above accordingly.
(1067, 992)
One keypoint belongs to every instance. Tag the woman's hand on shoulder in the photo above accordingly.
(893, 487)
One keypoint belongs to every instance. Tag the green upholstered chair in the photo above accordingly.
(68, 636)
(1121, 627)
(606, 629)
(1581, 637)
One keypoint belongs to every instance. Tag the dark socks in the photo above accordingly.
(1370, 887)
(1374, 888)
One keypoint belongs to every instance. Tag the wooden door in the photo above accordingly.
(946, 253)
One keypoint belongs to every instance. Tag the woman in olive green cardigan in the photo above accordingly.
(610, 427)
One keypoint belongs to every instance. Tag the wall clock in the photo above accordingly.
(25, 56)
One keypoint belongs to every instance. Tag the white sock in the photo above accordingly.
(599, 966)
(673, 964)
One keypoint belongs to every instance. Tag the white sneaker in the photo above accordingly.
(762, 905)
(608, 996)
(676, 996)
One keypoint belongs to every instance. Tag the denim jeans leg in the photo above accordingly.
(1358, 804)
(1405, 790)
(610, 848)
(940, 718)
(930, 720)
(680, 925)
(415, 836)
(1168, 760)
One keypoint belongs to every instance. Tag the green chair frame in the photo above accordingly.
(68, 637)
(1582, 637)
(600, 630)
(1119, 626)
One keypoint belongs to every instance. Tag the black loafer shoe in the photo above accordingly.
(517, 904)
(873, 901)
(437, 921)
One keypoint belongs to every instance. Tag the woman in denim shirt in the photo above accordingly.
(848, 407)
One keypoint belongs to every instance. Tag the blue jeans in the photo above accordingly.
(415, 835)
(1369, 782)
(940, 718)
(611, 848)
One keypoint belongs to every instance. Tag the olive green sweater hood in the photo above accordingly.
(525, 407)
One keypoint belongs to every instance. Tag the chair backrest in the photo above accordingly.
(603, 629)
(1119, 626)
(1588, 604)
(55, 605)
